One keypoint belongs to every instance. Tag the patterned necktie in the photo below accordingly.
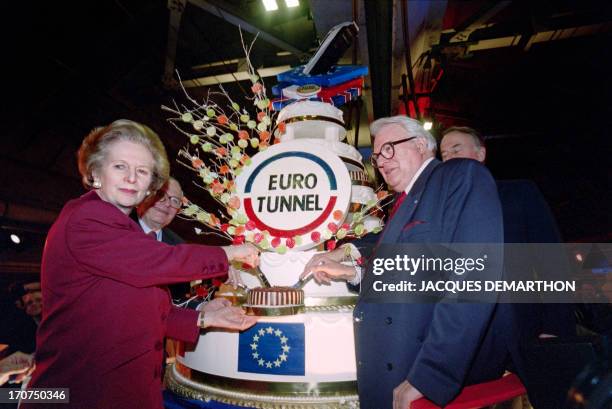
(397, 203)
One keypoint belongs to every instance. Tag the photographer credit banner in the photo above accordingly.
(509, 273)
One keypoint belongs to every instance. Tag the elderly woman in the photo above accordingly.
(106, 307)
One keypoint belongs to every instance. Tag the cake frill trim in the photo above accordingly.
(199, 391)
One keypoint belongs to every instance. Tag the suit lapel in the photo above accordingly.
(402, 216)
(406, 211)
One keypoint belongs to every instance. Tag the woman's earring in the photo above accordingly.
(148, 193)
(96, 184)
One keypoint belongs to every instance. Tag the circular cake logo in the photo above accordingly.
(294, 190)
(308, 90)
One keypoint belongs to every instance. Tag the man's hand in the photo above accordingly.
(404, 394)
(328, 262)
(327, 270)
(228, 318)
(243, 253)
(19, 364)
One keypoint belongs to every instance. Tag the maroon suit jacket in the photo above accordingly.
(106, 307)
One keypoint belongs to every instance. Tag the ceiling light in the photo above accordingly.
(292, 3)
(15, 238)
(428, 125)
(270, 5)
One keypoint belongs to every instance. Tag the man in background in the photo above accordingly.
(155, 214)
(527, 219)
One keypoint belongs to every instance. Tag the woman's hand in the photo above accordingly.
(234, 278)
(215, 304)
(243, 253)
(228, 318)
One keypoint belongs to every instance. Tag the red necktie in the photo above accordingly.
(153, 234)
(397, 203)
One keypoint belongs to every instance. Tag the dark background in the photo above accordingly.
(71, 66)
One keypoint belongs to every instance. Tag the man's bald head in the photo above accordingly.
(462, 142)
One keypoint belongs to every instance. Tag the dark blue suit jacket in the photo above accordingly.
(528, 219)
(434, 346)
(178, 290)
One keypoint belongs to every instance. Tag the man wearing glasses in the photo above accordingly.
(405, 351)
(157, 213)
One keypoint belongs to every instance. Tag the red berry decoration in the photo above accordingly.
(290, 242)
(332, 227)
(315, 236)
(202, 291)
(331, 244)
(275, 242)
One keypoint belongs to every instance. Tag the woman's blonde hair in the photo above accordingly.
(94, 150)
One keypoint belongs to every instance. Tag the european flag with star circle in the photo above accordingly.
(272, 348)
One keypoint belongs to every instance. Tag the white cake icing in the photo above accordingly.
(308, 119)
(329, 350)
(362, 194)
(344, 150)
(301, 108)
(371, 222)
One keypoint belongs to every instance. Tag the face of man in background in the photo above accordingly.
(461, 145)
(32, 302)
(160, 214)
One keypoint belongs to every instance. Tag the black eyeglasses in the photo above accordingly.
(387, 151)
(175, 202)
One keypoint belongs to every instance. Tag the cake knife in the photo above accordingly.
(300, 283)
(261, 276)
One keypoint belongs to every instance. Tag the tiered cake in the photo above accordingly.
(305, 359)
(321, 335)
